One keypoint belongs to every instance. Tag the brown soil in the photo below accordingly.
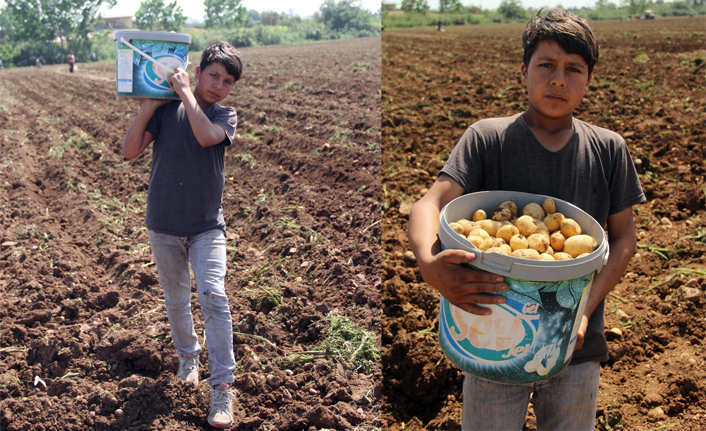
(648, 86)
(81, 305)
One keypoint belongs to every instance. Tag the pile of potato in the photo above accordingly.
(540, 233)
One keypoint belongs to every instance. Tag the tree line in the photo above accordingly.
(50, 28)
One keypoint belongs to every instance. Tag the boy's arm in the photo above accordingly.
(622, 241)
(443, 270)
(207, 133)
(137, 138)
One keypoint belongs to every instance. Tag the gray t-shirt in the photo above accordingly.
(594, 171)
(186, 183)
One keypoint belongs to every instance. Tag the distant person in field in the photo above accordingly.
(1, 66)
(38, 62)
(520, 153)
(93, 56)
(185, 215)
(72, 60)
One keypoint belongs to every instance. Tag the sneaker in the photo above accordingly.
(189, 369)
(221, 413)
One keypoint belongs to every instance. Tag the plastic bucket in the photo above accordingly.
(137, 75)
(531, 337)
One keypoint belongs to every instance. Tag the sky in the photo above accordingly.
(194, 9)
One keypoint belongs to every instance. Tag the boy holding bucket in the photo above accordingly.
(544, 150)
(185, 216)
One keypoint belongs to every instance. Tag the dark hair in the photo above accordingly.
(572, 33)
(224, 53)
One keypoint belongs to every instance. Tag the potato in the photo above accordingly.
(550, 251)
(582, 255)
(533, 210)
(468, 226)
(549, 206)
(479, 215)
(490, 226)
(546, 256)
(500, 241)
(553, 221)
(579, 244)
(562, 256)
(456, 227)
(542, 228)
(557, 241)
(487, 243)
(475, 240)
(570, 228)
(526, 253)
(502, 250)
(502, 214)
(538, 242)
(479, 232)
(518, 242)
(526, 225)
(511, 206)
(506, 249)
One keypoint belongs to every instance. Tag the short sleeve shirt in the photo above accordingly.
(187, 180)
(594, 171)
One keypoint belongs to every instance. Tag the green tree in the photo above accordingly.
(154, 15)
(418, 6)
(270, 18)
(512, 10)
(45, 20)
(446, 6)
(602, 4)
(172, 17)
(345, 15)
(225, 13)
(148, 15)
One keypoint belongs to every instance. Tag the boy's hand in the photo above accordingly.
(463, 287)
(179, 81)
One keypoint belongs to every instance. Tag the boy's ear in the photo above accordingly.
(588, 83)
(198, 72)
(523, 74)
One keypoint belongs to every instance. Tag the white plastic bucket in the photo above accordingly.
(532, 336)
(137, 75)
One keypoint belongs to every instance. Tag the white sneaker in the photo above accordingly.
(221, 413)
(189, 369)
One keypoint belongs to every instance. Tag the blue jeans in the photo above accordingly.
(564, 402)
(207, 254)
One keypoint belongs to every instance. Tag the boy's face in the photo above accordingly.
(555, 80)
(213, 83)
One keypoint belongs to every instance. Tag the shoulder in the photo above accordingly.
(598, 134)
(219, 111)
(495, 124)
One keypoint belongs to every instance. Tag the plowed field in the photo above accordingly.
(648, 86)
(84, 337)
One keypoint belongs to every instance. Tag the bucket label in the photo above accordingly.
(125, 70)
(528, 339)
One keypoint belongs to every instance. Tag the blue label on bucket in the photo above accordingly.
(528, 339)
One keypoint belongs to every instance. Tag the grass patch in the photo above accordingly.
(345, 340)
(246, 159)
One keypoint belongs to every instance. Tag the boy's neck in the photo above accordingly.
(553, 134)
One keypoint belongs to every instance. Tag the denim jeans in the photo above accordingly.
(564, 402)
(207, 254)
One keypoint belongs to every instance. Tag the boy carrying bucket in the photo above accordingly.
(185, 216)
(544, 150)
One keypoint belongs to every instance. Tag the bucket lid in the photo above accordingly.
(514, 267)
(160, 36)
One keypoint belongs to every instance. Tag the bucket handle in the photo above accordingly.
(160, 65)
(494, 266)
